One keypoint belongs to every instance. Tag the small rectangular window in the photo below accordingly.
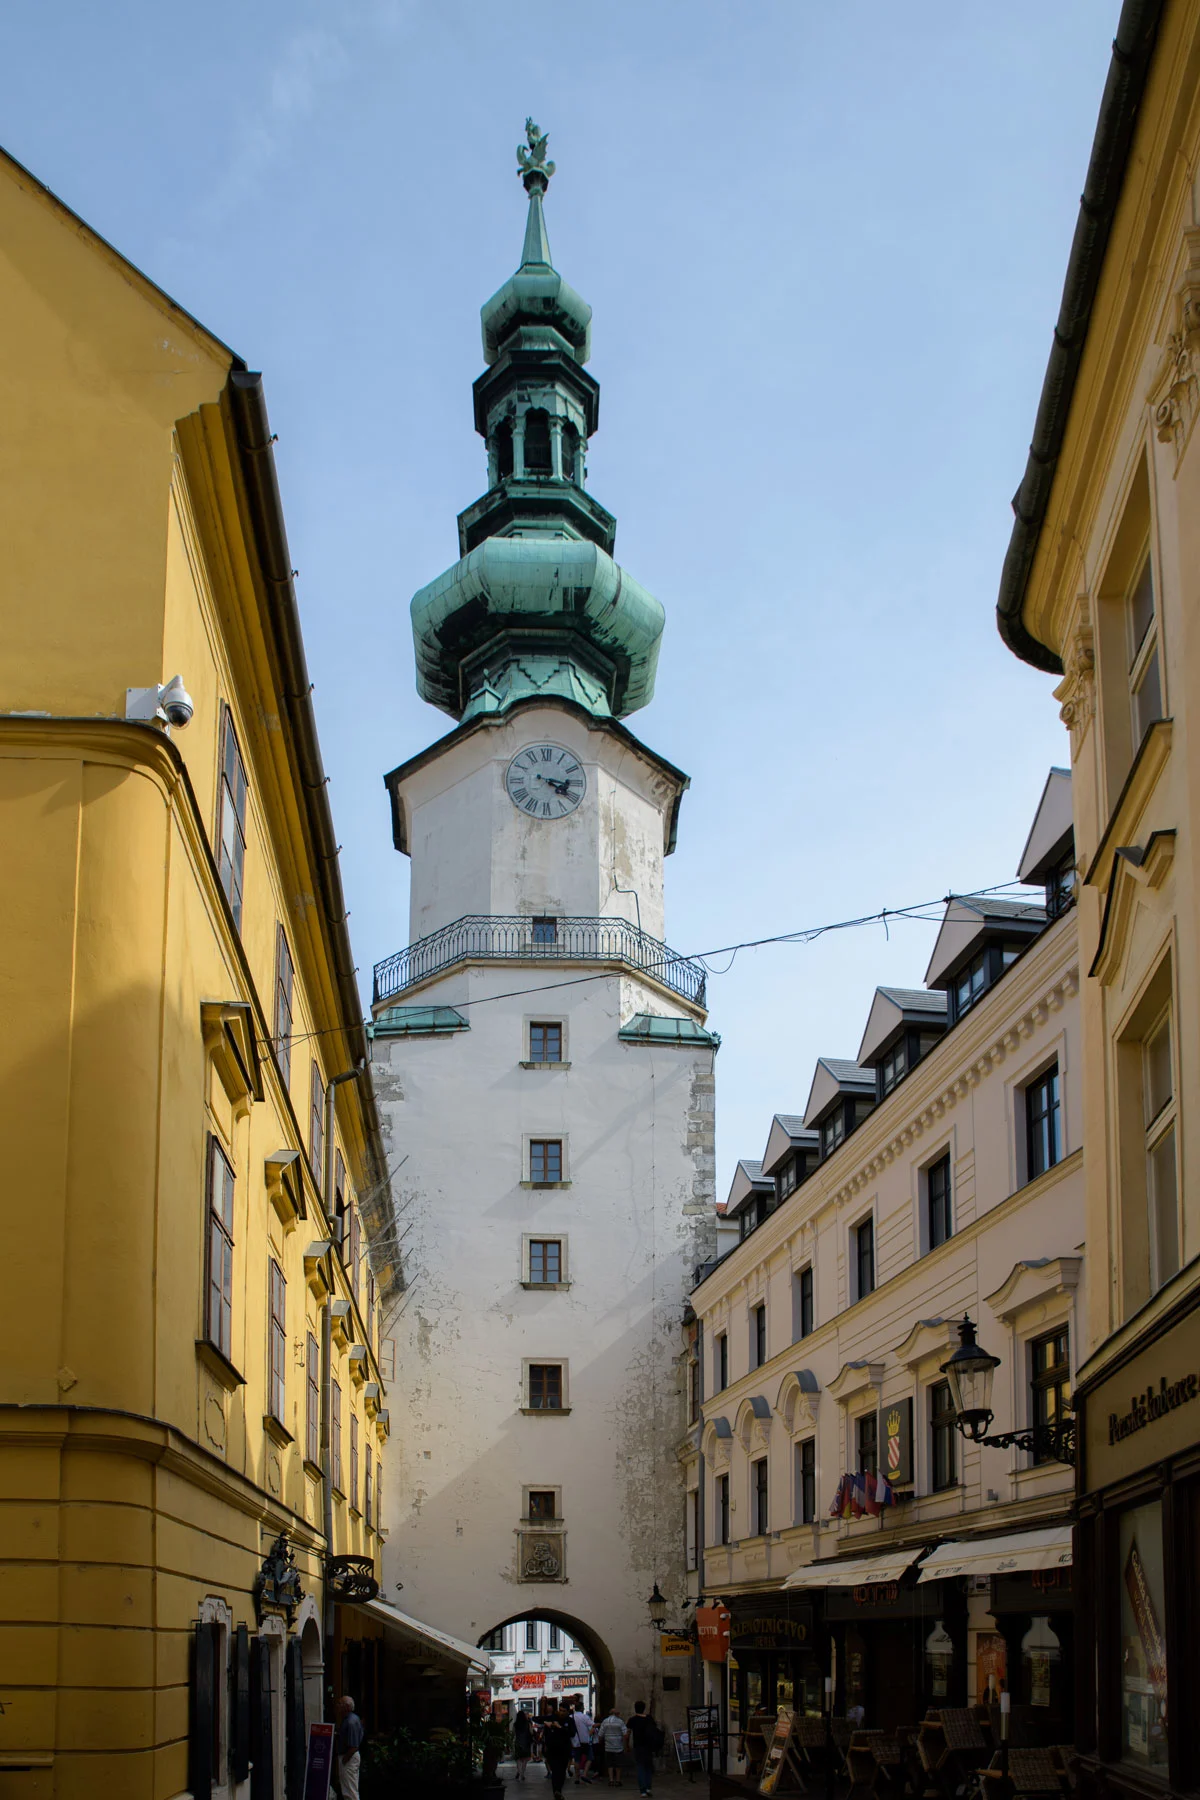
(545, 1387)
(353, 1495)
(285, 976)
(312, 1401)
(806, 1481)
(803, 1301)
(722, 1509)
(531, 1634)
(555, 1638)
(943, 1436)
(218, 1318)
(970, 983)
(866, 1434)
(833, 1131)
(545, 1261)
(545, 1042)
(893, 1067)
(721, 1350)
(938, 1201)
(1162, 1195)
(1145, 682)
(759, 1335)
(758, 1474)
(864, 1259)
(335, 1433)
(1050, 1380)
(231, 818)
(542, 1503)
(545, 1161)
(277, 1346)
(545, 930)
(316, 1126)
(1041, 1123)
(788, 1178)
(693, 1390)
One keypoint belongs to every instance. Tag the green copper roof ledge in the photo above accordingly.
(653, 1028)
(538, 608)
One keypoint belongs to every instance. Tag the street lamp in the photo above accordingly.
(970, 1373)
(658, 1608)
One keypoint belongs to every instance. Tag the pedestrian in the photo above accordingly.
(643, 1735)
(522, 1742)
(584, 1727)
(350, 1735)
(556, 1747)
(612, 1746)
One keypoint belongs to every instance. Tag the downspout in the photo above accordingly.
(327, 1634)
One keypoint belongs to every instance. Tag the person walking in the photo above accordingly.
(349, 1739)
(612, 1746)
(557, 1733)
(643, 1736)
(522, 1742)
(581, 1720)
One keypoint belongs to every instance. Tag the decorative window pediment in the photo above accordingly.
(339, 1319)
(231, 1044)
(285, 1186)
(1135, 873)
(928, 1338)
(1034, 1283)
(316, 1267)
(372, 1395)
(754, 1423)
(854, 1379)
(383, 1423)
(358, 1364)
(798, 1400)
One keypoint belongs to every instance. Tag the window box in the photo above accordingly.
(219, 1366)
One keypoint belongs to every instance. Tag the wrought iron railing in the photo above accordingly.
(481, 938)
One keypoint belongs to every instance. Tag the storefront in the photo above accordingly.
(1138, 1563)
(899, 1648)
(775, 1655)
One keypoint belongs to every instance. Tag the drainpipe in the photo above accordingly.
(327, 1634)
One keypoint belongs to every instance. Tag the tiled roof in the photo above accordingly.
(847, 1073)
(915, 999)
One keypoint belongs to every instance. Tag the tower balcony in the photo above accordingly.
(483, 938)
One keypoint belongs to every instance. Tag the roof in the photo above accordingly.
(655, 1028)
(417, 1021)
(1053, 830)
(1132, 49)
(835, 1075)
(748, 1181)
(969, 921)
(891, 1010)
(787, 1133)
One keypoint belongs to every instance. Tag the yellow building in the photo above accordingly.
(1102, 586)
(192, 1160)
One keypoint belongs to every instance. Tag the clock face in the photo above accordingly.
(545, 781)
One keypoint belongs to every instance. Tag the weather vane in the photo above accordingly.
(531, 162)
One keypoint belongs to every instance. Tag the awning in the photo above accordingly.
(889, 1565)
(437, 1642)
(1049, 1548)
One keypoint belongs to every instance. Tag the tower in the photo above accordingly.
(543, 1068)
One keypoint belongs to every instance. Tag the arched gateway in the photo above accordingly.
(593, 1646)
(540, 1057)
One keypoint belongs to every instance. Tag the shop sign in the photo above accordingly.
(712, 1629)
(318, 1769)
(670, 1643)
(882, 1600)
(991, 1667)
(769, 1632)
(895, 1438)
(1148, 1410)
(529, 1681)
(351, 1578)
(1032, 1591)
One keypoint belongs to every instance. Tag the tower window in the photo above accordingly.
(537, 442)
(545, 1161)
(504, 448)
(541, 1504)
(545, 1261)
(545, 928)
(570, 453)
(545, 1042)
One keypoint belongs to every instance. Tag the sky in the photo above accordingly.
(824, 247)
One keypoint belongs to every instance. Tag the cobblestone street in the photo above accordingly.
(536, 1783)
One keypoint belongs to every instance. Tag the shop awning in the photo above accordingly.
(1049, 1548)
(889, 1565)
(438, 1643)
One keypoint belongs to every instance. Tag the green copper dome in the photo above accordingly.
(536, 606)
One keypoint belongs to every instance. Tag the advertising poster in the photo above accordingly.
(991, 1667)
(318, 1770)
(772, 1767)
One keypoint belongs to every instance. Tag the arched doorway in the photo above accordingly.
(592, 1645)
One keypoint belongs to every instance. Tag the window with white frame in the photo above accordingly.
(218, 1311)
(862, 1249)
(545, 1041)
(544, 1261)
(545, 1386)
(277, 1344)
(546, 1162)
(1043, 1139)
(1142, 645)
(805, 1453)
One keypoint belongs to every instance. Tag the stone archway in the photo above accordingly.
(589, 1641)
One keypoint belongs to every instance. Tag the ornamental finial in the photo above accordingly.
(532, 166)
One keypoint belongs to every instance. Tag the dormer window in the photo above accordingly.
(1060, 887)
(833, 1132)
(788, 1178)
(981, 973)
(893, 1068)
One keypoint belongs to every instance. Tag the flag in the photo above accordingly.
(884, 1492)
(838, 1506)
(856, 1496)
(870, 1495)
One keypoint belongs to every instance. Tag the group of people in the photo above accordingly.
(570, 1739)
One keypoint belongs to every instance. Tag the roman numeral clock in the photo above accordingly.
(545, 781)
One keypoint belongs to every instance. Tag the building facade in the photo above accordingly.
(541, 1056)
(192, 1418)
(834, 1510)
(1102, 586)
(534, 1662)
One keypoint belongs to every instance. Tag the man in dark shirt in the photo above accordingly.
(350, 1735)
(557, 1734)
(642, 1736)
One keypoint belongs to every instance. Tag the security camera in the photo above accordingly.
(176, 702)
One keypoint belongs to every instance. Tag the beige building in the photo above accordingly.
(1102, 586)
(937, 1174)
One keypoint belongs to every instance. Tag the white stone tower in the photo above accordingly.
(541, 1059)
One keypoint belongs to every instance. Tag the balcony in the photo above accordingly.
(482, 938)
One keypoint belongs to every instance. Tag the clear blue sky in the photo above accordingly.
(824, 246)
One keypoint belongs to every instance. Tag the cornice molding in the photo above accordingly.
(1032, 1281)
(1135, 873)
(1127, 814)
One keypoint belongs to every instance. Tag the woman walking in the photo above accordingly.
(522, 1743)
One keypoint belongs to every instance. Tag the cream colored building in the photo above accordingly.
(1101, 586)
(938, 1173)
